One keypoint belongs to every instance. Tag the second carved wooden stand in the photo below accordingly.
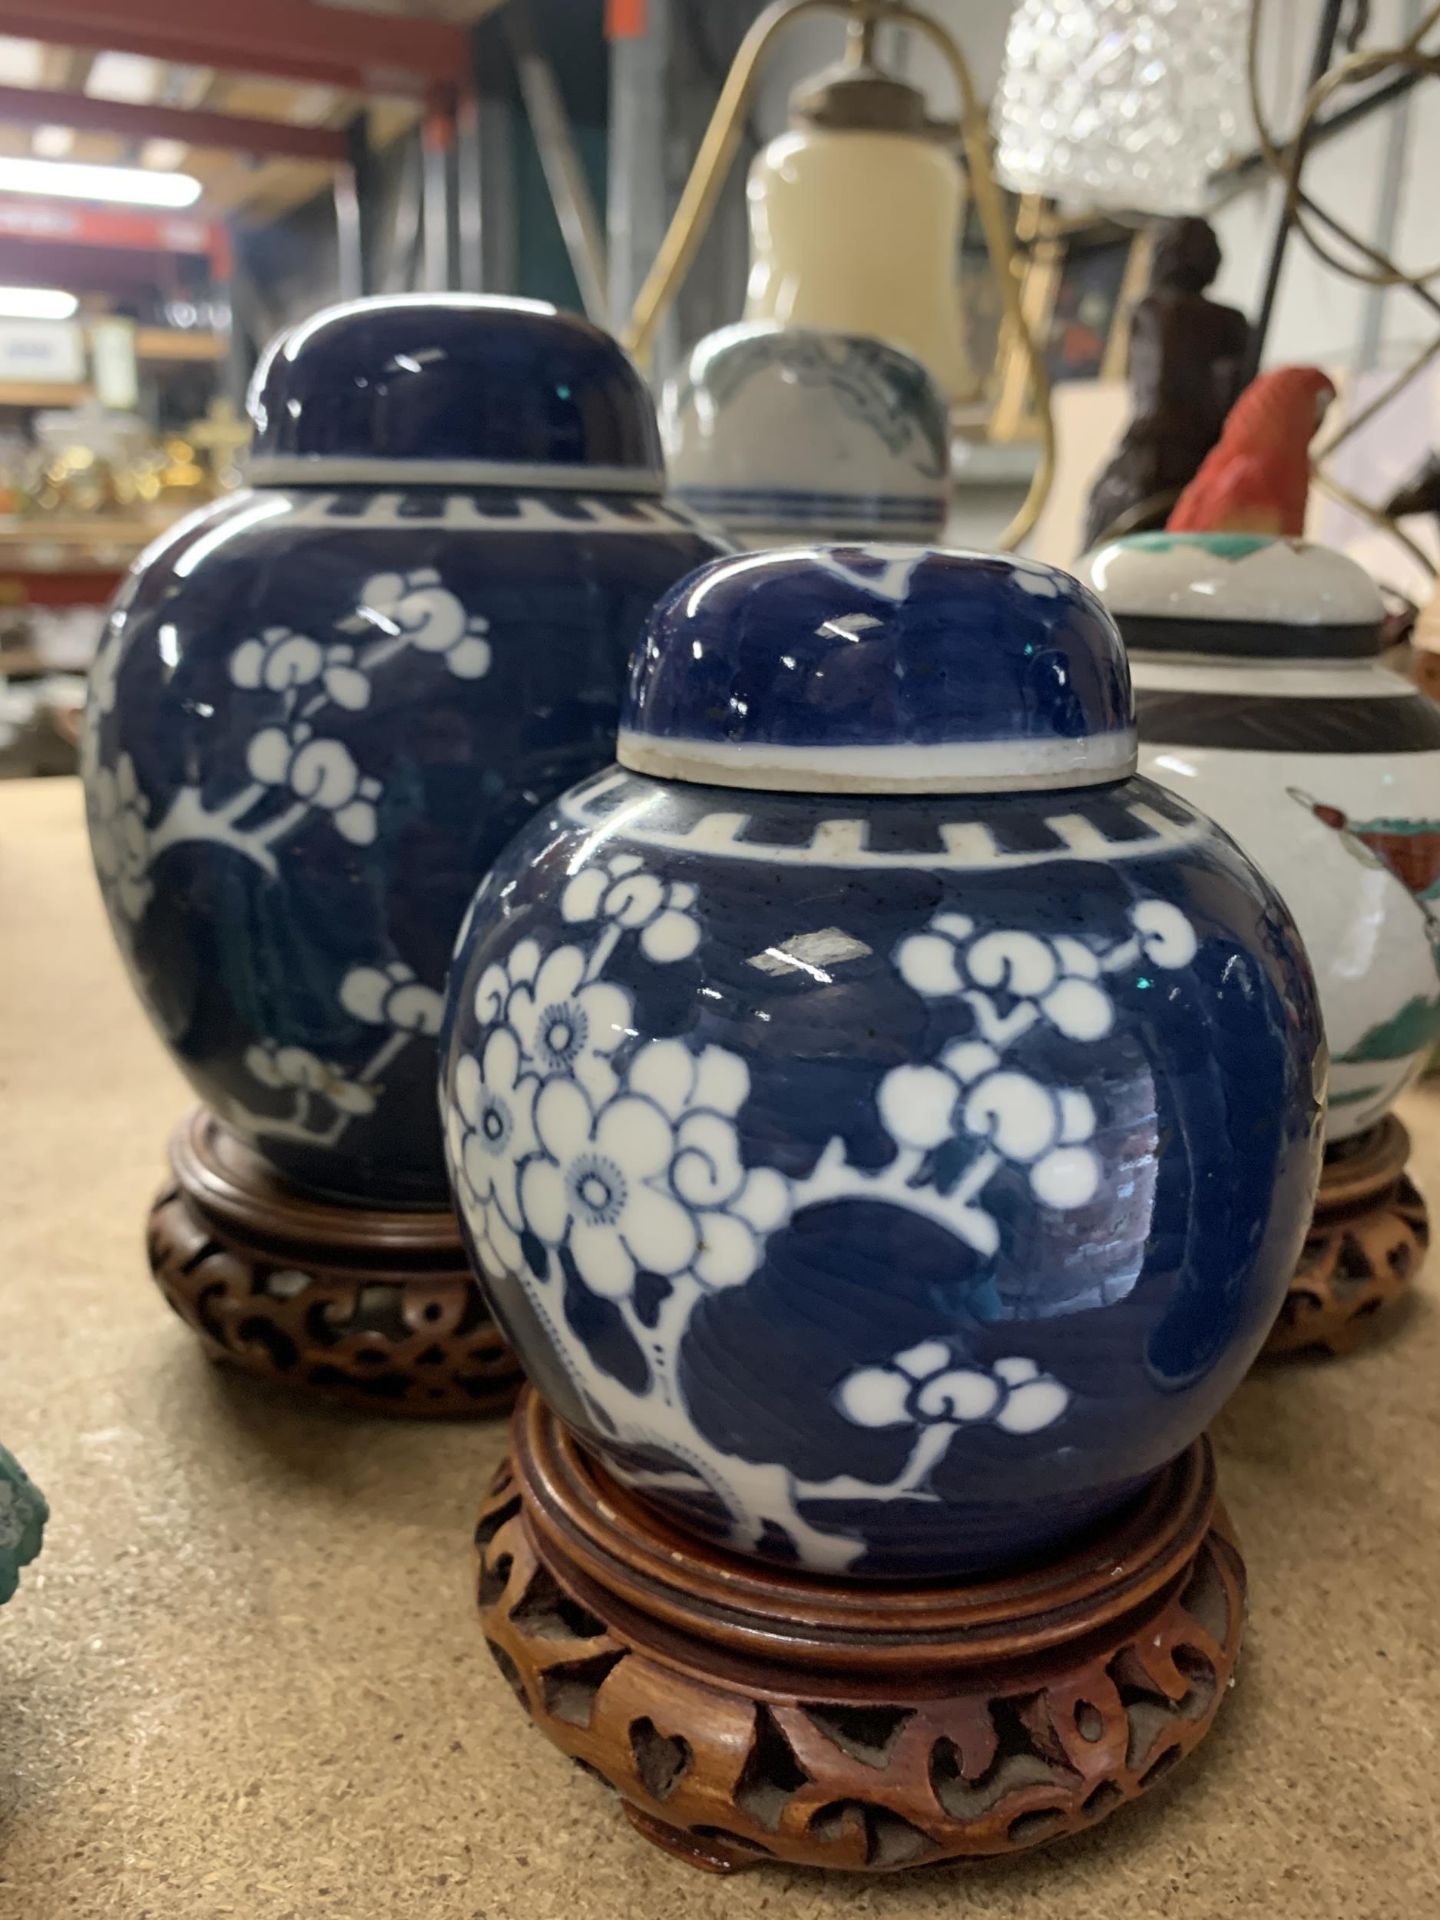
(1364, 1247)
(745, 1713)
(373, 1308)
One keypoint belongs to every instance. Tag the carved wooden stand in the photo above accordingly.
(746, 1713)
(373, 1308)
(1365, 1245)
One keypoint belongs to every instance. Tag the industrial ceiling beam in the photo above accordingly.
(291, 39)
(195, 127)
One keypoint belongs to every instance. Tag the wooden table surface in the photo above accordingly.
(245, 1682)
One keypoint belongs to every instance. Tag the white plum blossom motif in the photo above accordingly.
(893, 568)
(601, 1189)
(620, 891)
(418, 609)
(120, 837)
(1041, 582)
(277, 1066)
(491, 1134)
(626, 1173)
(320, 772)
(1053, 979)
(280, 660)
(391, 996)
(291, 682)
(302, 679)
(927, 1387)
(1012, 980)
(1040, 1128)
(565, 1024)
(105, 667)
(651, 1181)
(734, 1206)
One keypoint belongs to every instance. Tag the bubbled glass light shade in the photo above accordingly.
(1121, 103)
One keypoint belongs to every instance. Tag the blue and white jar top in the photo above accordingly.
(879, 669)
(454, 390)
(1237, 595)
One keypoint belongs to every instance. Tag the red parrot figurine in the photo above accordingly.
(1256, 476)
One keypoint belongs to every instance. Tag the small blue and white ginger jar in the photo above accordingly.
(885, 1125)
(785, 434)
(321, 707)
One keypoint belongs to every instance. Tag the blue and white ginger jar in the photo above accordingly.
(885, 1126)
(785, 434)
(322, 707)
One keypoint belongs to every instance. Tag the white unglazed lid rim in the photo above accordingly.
(959, 767)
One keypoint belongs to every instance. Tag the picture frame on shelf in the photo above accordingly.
(981, 303)
(1078, 287)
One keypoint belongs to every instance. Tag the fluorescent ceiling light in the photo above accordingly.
(123, 76)
(122, 186)
(36, 303)
(163, 156)
(22, 62)
(53, 143)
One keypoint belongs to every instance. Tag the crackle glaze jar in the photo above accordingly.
(884, 1124)
(321, 707)
(1259, 696)
(785, 434)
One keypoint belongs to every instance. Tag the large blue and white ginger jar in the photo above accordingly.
(885, 1126)
(322, 707)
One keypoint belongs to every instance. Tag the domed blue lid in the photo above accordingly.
(452, 388)
(883, 670)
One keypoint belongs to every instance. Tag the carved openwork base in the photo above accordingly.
(745, 1713)
(370, 1307)
(1365, 1246)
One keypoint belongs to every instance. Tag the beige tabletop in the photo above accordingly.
(245, 1677)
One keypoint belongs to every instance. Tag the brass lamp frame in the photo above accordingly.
(716, 154)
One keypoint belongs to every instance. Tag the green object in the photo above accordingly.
(23, 1513)
(1230, 546)
(1354, 1097)
(1415, 1026)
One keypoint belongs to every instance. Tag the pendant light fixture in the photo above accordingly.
(863, 162)
(1124, 104)
(855, 216)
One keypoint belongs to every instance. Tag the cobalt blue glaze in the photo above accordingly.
(452, 377)
(887, 1183)
(981, 651)
(317, 714)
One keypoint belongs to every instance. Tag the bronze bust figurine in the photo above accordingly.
(1186, 369)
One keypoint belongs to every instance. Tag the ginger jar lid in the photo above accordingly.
(452, 389)
(879, 669)
(1237, 595)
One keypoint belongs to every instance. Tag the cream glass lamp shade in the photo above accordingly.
(1121, 103)
(855, 224)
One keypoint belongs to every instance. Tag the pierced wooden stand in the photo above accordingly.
(1364, 1247)
(746, 1713)
(374, 1308)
